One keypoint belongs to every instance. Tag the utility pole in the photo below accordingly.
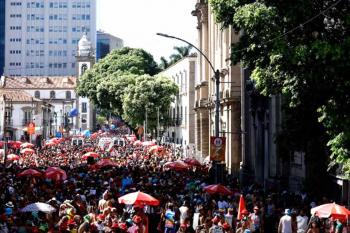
(158, 136)
(146, 124)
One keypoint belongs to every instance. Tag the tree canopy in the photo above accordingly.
(119, 82)
(301, 50)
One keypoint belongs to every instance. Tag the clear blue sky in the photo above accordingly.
(138, 21)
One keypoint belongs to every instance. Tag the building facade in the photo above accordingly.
(106, 43)
(2, 36)
(215, 44)
(48, 101)
(249, 121)
(41, 35)
(181, 130)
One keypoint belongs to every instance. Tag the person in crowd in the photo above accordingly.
(285, 224)
(302, 221)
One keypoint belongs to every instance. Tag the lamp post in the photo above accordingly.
(217, 100)
(216, 77)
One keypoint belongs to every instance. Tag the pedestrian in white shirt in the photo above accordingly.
(183, 212)
(285, 225)
(302, 221)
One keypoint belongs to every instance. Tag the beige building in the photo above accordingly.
(215, 44)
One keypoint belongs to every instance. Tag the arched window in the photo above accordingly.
(83, 68)
(37, 94)
(68, 95)
(52, 94)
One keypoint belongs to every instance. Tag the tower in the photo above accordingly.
(85, 59)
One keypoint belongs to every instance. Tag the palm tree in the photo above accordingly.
(164, 63)
(182, 52)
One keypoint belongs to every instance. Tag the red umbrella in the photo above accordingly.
(331, 210)
(27, 144)
(106, 163)
(137, 143)
(217, 189)
(49, 144)
(27, 151)
(55, 173)
(12, 157)
(192, 162)
(94, 135)
(148, 143)
(131, 138)
(91, 154)
(154, 149)
(177, 165)
(241, 208)
(29, 172)
(15, 144)
(138, 198)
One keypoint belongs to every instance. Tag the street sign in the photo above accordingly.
(217, 148)
(31, 128)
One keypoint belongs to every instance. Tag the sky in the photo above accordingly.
(138, 21)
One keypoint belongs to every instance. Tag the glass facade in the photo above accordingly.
(2, 36)
(102, 48)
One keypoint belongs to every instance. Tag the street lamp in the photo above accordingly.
(217, 87)
(216, 76)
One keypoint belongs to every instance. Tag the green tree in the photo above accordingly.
(299, 49)
(148, 94)
(106, 82)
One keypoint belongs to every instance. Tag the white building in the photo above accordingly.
(106, 43)
(41, 35)
(46, 100)
(181, 128)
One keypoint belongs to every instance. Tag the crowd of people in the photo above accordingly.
(87, 200)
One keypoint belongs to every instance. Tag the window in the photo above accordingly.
(84, 107)
(52, 94)
(37, 94)
(68, 95)
(83, 69)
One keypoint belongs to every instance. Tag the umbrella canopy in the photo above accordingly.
(148, 143)
(91, 154)
(217, 189)
(29, 172)
(154, 149)
(331, 210)
(137, 143)
(138, 198)
(49, 144)
(39, 206)
(192, 162)
(55, 173)
(27, 145)
(131, 138)
(12, 157)
(15, 144)
(177, 165)
(27, 151)
(106, 163)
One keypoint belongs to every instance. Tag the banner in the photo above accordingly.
(31, 128)
(217, 148)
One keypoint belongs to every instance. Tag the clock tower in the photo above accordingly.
(85, 59)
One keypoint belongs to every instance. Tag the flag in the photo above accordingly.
(241, 208)
(73, 112)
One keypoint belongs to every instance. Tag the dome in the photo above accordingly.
(84, 46)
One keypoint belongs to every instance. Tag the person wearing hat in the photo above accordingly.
(215, 228)
(285, 224)
(255, 220)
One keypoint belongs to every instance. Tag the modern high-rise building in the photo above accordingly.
(42, 35)
(2, 35)
(106, 43)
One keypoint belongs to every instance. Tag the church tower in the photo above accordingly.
(85, 59)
